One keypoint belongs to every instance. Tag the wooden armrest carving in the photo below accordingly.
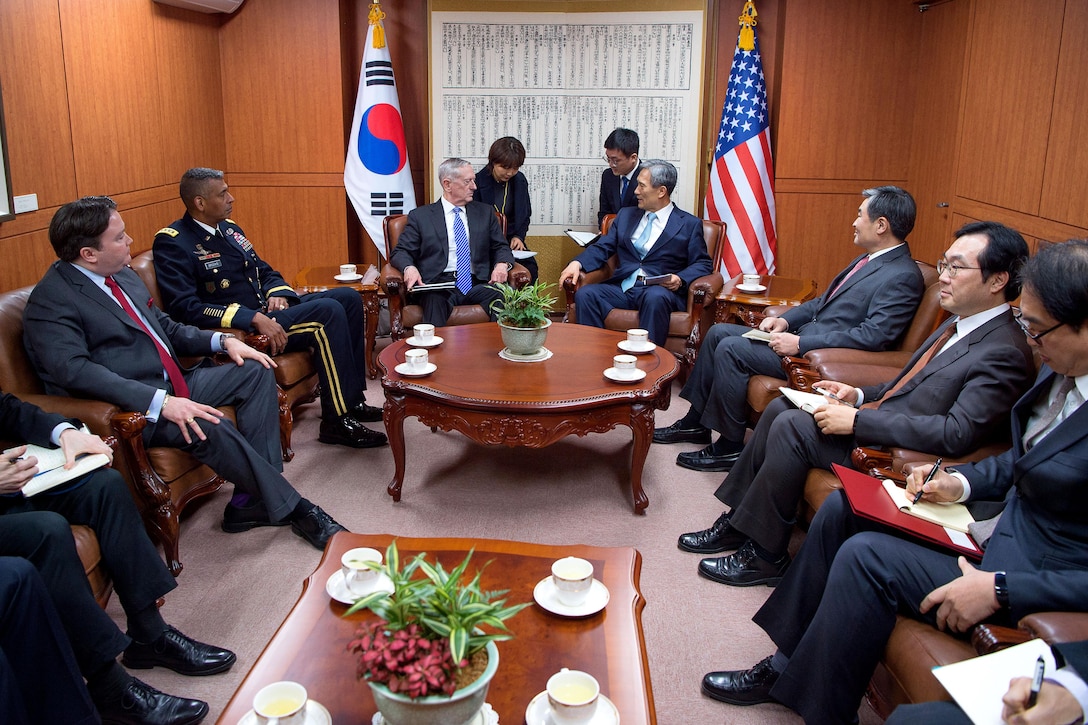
(877, 464)
(128, 427)
(800, 372)
(987, 638)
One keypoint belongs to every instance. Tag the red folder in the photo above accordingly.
(869, 500)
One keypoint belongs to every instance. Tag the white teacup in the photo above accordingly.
(358, 577)
(347, 270)
(572, 695)
(752, 280)
(281, 703)
(638, 337)
(423, 333)
(416, 359)
(625, 365)
(572, 578)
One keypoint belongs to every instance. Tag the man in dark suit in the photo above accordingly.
(619, 179)
(37, 529)
(655, 240)
(211, 276)
(92, 331)
(952, 397)
(867, 306)
(457, 240)
(833, 612)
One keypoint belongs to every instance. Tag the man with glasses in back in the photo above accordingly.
(619, 179)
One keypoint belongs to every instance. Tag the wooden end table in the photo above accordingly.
(746, 308)
(495, 401)
(310, 646)
(320, 279)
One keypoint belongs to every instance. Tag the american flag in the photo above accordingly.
(741, 188)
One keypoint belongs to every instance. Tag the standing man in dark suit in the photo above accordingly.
(211, 276)
(867, 307)
(952, 397)
(832, 614)
(619, 179)
(455, 239)
(92, 331)
(657, 239)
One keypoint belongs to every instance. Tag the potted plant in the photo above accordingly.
(427, 658)
(523, 317)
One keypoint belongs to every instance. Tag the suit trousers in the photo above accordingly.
(332, 324)
(39, 680)
(438, 304)
(718, 386)
(766, 485)
(833, 612)
(930, 713)
(38, 529)
(655, 304)
(247, 455)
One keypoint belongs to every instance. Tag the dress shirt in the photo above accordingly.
(661, 218)
(447, 213)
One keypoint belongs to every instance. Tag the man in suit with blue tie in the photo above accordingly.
(619, 179)
(655, 240)
(834, 611)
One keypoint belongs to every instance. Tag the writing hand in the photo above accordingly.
(1054, 706)
(15, 472)
(846, 393)
(964, 602)
(944, 487)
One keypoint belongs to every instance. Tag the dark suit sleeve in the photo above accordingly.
(518, 226)
(604, 199)
(596, 254)
(407, 253)
(699, 263)
(20, 421)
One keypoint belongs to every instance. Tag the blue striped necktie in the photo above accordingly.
(464, 254)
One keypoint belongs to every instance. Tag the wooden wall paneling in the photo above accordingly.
(1065, 191)
(1009, 90)
(143, 220)
(815, 236)
(113, 92)
(34, 253)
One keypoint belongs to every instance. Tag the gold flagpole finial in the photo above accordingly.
(375, 16)
(747, 40)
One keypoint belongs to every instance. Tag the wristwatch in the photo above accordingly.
(223, 340)
(1001, 589)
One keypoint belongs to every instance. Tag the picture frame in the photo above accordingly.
(7, 201)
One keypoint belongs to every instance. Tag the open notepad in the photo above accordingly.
(582, 239)
(954, 516)
(808, 402)
(760, 335)
(978, 684)
(51, 472)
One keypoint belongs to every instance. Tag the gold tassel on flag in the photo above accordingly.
(747, 40)
(375, 16)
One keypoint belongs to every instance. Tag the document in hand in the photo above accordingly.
(952, 515)
(582, 239)
(432, 286)
(808, 402)
(51, 472)
(758, 335)
(978, 684)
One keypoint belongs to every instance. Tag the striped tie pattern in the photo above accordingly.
(464, 254)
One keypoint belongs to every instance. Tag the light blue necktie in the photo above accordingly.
(640, 247)
(464, 255)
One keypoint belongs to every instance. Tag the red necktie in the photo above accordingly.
(177, 380)
(861, 263)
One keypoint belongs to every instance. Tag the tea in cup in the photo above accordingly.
(572, 578)
(752, 280)
(423, 333)
(638, 337)
(347, 270)
(416, 359)
(572, 695)
(624, 365)
(358, 577)
(281, 703)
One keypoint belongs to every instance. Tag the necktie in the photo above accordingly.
(177, 380)
(1051, 413)
(623, 187)
(861, 263)
(640, 247)
(464, 254)
(928, 355)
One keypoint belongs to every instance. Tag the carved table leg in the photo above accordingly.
(642, 429)
(393, 416)
(371, 309)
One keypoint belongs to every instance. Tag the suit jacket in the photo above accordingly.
(25, 423)
(960, 400)
(610, 201)
(425, 244)
(83, 344)
(680, 250)
(211, 281)
(518, 209)
(870, 312)
(1041, 540)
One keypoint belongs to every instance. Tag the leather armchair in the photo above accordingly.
(686, 328)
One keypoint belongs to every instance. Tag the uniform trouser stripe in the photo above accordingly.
(324, 349)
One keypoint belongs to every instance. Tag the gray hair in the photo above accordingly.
(662, 173)
(447, 167)
(193, 180)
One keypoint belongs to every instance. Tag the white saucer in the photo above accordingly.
(486, 716)
(620, 377)
(547, 596)
(636, 348)
(435, 342)
(539, 712)
(544, 354)
(751, 287)
(316, 714)
(347, 277)
(336, 588)
(409, 372)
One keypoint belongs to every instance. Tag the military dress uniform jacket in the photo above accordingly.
(213, 281)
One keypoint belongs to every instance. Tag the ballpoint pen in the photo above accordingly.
(928, 478)
(1036, 682)
(829, 394)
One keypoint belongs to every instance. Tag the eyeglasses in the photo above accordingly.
(616, 160)
(952, 269)
(1033, 336)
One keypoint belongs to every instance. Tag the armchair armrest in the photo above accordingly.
(584, 278)
(1056, 626)
(988, 638)
(776, 310)
(98, 415)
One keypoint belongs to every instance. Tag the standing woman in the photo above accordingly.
(506, 189)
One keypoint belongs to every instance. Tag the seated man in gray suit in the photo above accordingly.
(833, 612)
(454, 240)
(867, 306)
(952, 397)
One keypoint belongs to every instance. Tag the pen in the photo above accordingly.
(1036, 682)
(928, 478)
(829, 394)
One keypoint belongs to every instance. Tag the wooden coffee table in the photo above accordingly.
(498, 402)
(747, 308)
(310, 646)
(319, 279)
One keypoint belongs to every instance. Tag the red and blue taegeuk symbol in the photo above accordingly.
(381, 140)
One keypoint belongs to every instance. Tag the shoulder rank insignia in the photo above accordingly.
(168, 231)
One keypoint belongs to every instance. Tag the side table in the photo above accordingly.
(320, 279)
(746, 308)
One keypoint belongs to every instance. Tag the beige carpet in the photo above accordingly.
(237, 588)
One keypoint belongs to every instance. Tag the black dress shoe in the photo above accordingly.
(742, 687)
(719, 537)
(179, 653)
(366, 413)
(350, 432)
(237, 518)
(677, 433)
(744, 568)
(142, 704)
(316, 527)
(706, 460)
